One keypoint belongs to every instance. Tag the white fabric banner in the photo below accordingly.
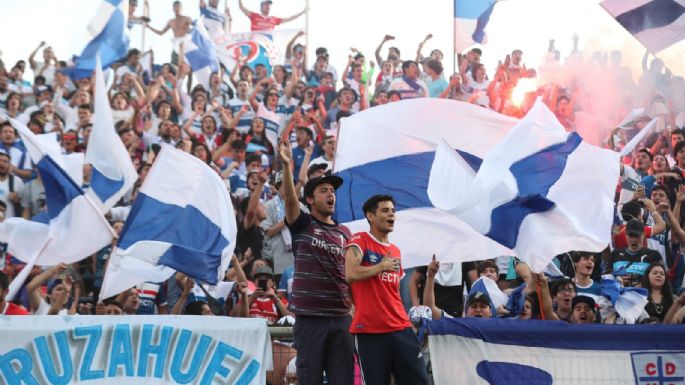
(133, 350)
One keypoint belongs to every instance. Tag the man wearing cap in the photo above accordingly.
(264, 303)
(262, 21)
(385, 341)
(632, 261)
(320, 297)
(583, 310)
(478, 305)
(409, 85)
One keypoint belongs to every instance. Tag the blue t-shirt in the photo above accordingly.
(286, 283)
(298, 157)
(436, 87)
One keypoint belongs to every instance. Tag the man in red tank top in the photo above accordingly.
(385, 341)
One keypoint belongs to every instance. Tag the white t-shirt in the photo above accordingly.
(44, 309)
(408, 92)
(5, 192)
(274, 121)
(322, 159)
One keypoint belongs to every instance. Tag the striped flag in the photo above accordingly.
(657, 24)
(470, 19)
(182, 220)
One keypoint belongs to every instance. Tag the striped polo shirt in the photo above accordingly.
(319, 286)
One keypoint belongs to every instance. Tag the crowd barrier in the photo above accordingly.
(512, 352)
(150, 350)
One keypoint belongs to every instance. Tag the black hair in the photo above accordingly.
(561, 282)
(253, 158)
(666, 290)
(646, 151)
(194, 308)
(306, 130)
(407, 63)
(678, 146)
(631, 210)
(478, 51)
(113, 301)
(576, 256)
(488, 263)
(678, 131)
(371, 204)
(434, 65)
(238, 144)
(84, 106)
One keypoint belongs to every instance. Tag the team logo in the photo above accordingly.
(317, 232)
(666, 368)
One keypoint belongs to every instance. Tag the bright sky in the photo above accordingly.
(338, 25)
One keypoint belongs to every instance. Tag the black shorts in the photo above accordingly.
(324, 344)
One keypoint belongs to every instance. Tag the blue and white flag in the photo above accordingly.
(488, 286)
(657, 24)
(74, 226)
(470, 19)
(113, 173)
(628, 302)
(199, 50)
(110, 40)
(182, 220)
(390, 149)
(531, 352)
(540, 192)
(70, 230)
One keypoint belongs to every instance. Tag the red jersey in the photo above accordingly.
(258, 22)
(13, 309)
(377, 303)
(621, 239)
(265, 307)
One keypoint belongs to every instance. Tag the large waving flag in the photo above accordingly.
(532, 352)
(71, 229)
(110, 40)
(541, 191)
(409, 131)
(470, 19)
(657, 24)
(182, 220)
(113, 173)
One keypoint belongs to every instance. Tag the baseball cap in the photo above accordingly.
(316, 167)
(52, 284)
(334, 180)
(635, 227)
(264, 270)
(478, 296)
(583, 299)
(267, 1)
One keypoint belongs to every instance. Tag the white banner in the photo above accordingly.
(515, 352)
(146, 350)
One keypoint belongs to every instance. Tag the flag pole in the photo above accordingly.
(454, 38)
(146, 13)
(306, 29)
(19, 280)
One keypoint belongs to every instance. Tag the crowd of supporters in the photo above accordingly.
(236, 123)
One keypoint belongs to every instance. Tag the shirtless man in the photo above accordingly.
(180, 25)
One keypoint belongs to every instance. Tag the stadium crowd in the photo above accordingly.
(226, 124)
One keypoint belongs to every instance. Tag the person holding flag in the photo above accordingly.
(384, 339)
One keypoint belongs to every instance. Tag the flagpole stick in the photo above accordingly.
(454, 39)
(19, 280)
(146, 13)
(306, 22)
(538, 289)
